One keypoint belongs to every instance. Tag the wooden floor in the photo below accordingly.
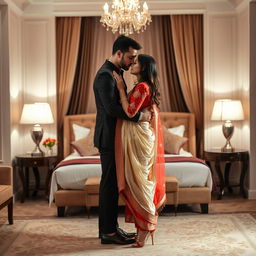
(38, 207)
(233, 203)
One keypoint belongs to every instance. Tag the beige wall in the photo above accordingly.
(32, 74)
(220, 73)
(16, 90)
(252, 181)
(243, 62)
(5, 148)
(243, 83)
(38, 70)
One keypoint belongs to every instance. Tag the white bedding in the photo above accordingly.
(189, 174)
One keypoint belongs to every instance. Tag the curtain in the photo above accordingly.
(80, 95)
(67, 40)
(177, 45)
(187, 33)
(157, 41)
(177, 101)
(96, 46)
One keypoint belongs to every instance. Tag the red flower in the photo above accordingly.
(49, 142)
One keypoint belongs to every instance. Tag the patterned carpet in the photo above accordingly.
(191, 235)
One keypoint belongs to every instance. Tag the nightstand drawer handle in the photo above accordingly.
(35, 162)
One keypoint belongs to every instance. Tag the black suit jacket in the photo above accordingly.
(108, 106)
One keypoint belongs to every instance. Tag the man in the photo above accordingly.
(108, 110)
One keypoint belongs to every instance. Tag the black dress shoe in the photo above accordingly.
(116, 239)
(124, 233)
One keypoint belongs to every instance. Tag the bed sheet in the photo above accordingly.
(189, 174)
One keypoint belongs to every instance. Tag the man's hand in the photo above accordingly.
(119, 81)
(145, 115)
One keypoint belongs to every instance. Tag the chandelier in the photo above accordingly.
(126, 17)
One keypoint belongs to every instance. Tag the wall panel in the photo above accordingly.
(38, 54)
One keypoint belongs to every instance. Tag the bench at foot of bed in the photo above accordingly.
(193, 195)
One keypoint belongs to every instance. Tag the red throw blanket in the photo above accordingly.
(173, 159)
(97, 160)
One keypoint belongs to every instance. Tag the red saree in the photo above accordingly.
(139, 154)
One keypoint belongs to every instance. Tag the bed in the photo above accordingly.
(195, 182)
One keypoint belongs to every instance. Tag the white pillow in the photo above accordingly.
(178, 130)
(184, 152)
(80, 132)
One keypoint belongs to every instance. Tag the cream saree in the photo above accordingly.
(140, 170)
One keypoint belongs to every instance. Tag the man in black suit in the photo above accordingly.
(108, 110)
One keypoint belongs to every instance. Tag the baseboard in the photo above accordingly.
(16, 196)
(251, 193)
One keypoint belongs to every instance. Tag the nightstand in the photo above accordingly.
(26, 161)
(216, 156)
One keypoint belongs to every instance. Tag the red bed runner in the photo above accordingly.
(97, 160)
(173, 159)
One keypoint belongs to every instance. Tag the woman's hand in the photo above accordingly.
(119, 81)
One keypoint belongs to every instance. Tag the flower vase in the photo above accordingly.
(49, 151)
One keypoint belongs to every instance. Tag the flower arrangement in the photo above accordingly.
(49, 143)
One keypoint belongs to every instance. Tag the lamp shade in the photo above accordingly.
(37, 113)
(227, 110)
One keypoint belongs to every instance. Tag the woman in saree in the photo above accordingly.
(139, 151)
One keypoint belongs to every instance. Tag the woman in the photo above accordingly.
(139, 151)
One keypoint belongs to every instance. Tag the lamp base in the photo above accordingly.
(37, 151)
(228, 147)
(37, 134)
(228, 130)
(37, 154)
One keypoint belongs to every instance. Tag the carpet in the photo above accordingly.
(193, 235)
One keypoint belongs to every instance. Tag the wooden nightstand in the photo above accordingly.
(216, 156)
(26, 161)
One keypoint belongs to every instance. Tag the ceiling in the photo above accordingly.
(91, 8)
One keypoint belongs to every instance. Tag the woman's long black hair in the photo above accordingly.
(149, 75)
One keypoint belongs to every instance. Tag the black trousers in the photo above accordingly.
(108, 198)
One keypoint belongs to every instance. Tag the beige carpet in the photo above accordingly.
(206, 235)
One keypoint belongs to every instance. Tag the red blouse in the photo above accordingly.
(139, 98)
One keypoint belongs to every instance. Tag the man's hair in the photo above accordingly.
(123, 43)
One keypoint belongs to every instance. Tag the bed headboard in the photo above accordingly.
(172, 119)
(169, 119)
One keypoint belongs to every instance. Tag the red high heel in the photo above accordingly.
(142, 238)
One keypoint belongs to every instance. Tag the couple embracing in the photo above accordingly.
(129, 138)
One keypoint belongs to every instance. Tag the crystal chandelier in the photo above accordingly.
(126, 17)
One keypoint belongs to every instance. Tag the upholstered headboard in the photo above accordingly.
(172, 119)
(169, 119)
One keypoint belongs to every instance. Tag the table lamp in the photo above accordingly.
(37, 113)
(227, 110)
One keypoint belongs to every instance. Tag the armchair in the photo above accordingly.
(6, 190)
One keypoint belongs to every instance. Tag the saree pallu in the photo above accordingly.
(139, 155)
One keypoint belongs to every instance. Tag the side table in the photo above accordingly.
(26, 161)
(216, 156)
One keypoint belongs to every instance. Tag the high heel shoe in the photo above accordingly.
(142, 238)
(152, 237)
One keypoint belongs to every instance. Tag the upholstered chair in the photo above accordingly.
(6, 190)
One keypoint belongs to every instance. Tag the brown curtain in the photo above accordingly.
(157, 41)
(67, 41)
(80, 95)
(173, 90)
(187, 33)
(96, 46)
